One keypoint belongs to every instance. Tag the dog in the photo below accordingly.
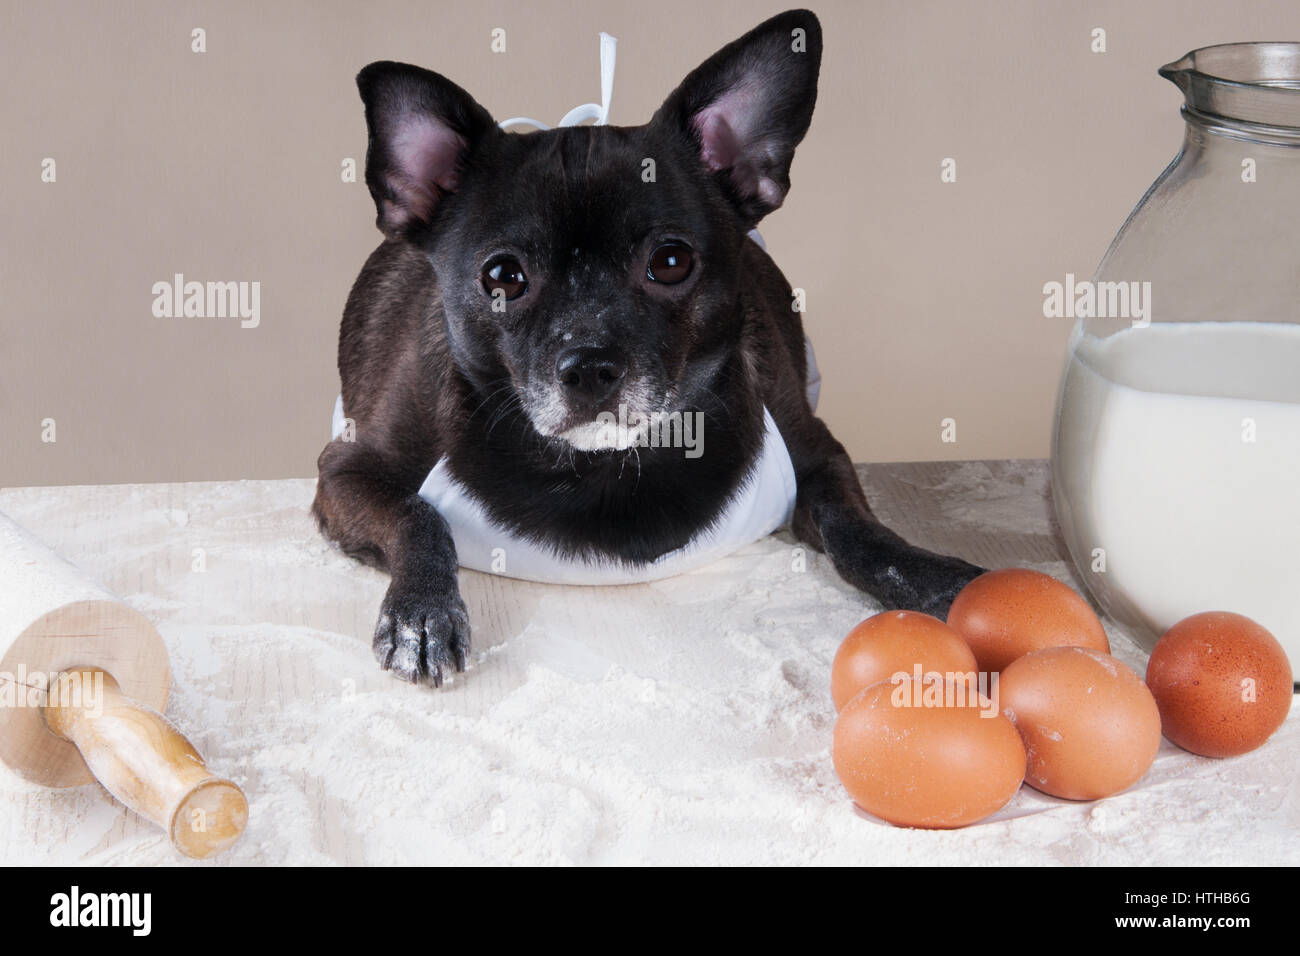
(530, 284)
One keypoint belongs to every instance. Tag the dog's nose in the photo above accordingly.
(594, 372)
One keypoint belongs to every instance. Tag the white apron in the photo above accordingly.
(763, 503)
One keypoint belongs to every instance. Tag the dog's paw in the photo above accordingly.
(422, 636)
(938, 580)
(899, 575)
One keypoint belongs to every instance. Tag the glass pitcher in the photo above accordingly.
(1176, 451)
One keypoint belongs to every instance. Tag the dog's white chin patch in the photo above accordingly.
(603, 436)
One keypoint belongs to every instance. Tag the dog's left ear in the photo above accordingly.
(746, 108)
(422, 129)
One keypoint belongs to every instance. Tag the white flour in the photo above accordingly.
(686, 721)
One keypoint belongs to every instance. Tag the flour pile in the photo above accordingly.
(686, 721)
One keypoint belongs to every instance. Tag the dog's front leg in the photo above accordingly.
(832, 515)
(368, 508)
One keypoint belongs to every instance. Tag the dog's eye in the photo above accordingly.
(506, 275)
(670, 263)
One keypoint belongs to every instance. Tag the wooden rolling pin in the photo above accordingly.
(83, 681)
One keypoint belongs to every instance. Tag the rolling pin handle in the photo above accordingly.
(145, 762)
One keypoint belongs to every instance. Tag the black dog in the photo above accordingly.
(530, 282)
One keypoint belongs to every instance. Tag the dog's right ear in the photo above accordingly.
(746, 108)
(422, 126)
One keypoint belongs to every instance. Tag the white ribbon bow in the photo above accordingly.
(598, 113)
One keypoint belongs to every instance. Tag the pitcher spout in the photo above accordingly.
(1249, 84)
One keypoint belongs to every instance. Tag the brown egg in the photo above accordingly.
(1222, 682)
(895, 641)
(1090, 726)
(1006, 614)
(942, 764)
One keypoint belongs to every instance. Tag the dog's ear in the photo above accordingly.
(746, 108)
(422, 126)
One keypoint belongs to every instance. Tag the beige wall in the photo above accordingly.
(924, 298)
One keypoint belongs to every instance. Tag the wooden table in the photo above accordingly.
(683, 721)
